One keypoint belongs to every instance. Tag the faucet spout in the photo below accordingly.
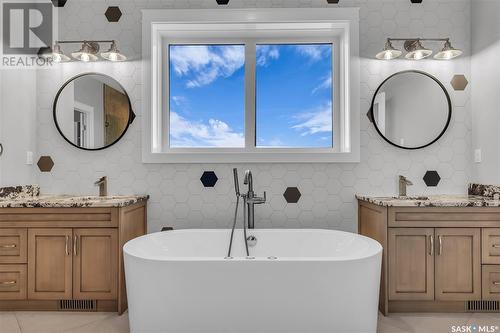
(403, 184)
(103, 186)
(248, 180)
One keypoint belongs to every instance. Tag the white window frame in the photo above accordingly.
(250, 27)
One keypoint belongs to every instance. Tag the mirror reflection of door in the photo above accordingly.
(116, 114)
(84, 125)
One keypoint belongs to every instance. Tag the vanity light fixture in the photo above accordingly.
(88, 52)
(416, 51)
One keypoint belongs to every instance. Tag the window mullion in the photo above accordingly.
(250, 107)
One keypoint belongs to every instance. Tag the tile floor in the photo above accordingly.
(53, 322)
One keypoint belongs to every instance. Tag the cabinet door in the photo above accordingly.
(95, 264)
(411, 264)
(49, 264)
(458, 264)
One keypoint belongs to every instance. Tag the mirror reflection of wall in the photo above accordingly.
(411, 109)
(92, 111)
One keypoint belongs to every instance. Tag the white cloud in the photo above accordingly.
(178, 100)
(317, 121)
(186, 133)
(204, 64)
(325, 84)
(313, 52)
(265, 53)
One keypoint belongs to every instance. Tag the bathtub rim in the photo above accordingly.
(374, 250)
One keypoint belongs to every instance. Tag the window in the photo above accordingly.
(264, 92)
(294, 90)
(207, 96)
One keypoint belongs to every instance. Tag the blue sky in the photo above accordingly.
(294, 95)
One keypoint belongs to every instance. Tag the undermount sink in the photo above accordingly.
(420, 198)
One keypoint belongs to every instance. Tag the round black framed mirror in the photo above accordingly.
(92, 111)
(411, 109)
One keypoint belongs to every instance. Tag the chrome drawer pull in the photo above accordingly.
(75, 245)
(432, 245)
(66, 245)
(8, 246)
(440, 245)
(496, 283)
(496, 246)
(8, 283)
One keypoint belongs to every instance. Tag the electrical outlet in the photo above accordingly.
(29, 158)
(478, 157)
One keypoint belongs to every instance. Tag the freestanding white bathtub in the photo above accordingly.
(298, 281)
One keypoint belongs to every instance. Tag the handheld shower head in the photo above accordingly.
(236, 182)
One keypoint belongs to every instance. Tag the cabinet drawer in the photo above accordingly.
(13, 246)
(491, 246)
(13, 282)
(491, 282)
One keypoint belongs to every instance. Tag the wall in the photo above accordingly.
(17, 125)
(485, 95)
(178, 198)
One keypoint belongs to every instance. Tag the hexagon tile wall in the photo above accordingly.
(178, 197)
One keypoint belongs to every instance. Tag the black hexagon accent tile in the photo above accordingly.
(59, 3)
(209, 179)
(432, 178)
(222, 2)
(45, 164)
(113, 14)
(292, 195)
(369, 115)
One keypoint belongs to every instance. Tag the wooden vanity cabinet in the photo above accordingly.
(54, 257)
(435, 259)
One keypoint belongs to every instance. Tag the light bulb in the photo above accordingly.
(85, 57)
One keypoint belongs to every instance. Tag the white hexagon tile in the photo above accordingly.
(178, 197)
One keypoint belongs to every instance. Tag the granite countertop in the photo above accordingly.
(68, 201)
(432, 201)
(479, 195)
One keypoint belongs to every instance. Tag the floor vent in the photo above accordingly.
(482, 306)
(77, 305)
